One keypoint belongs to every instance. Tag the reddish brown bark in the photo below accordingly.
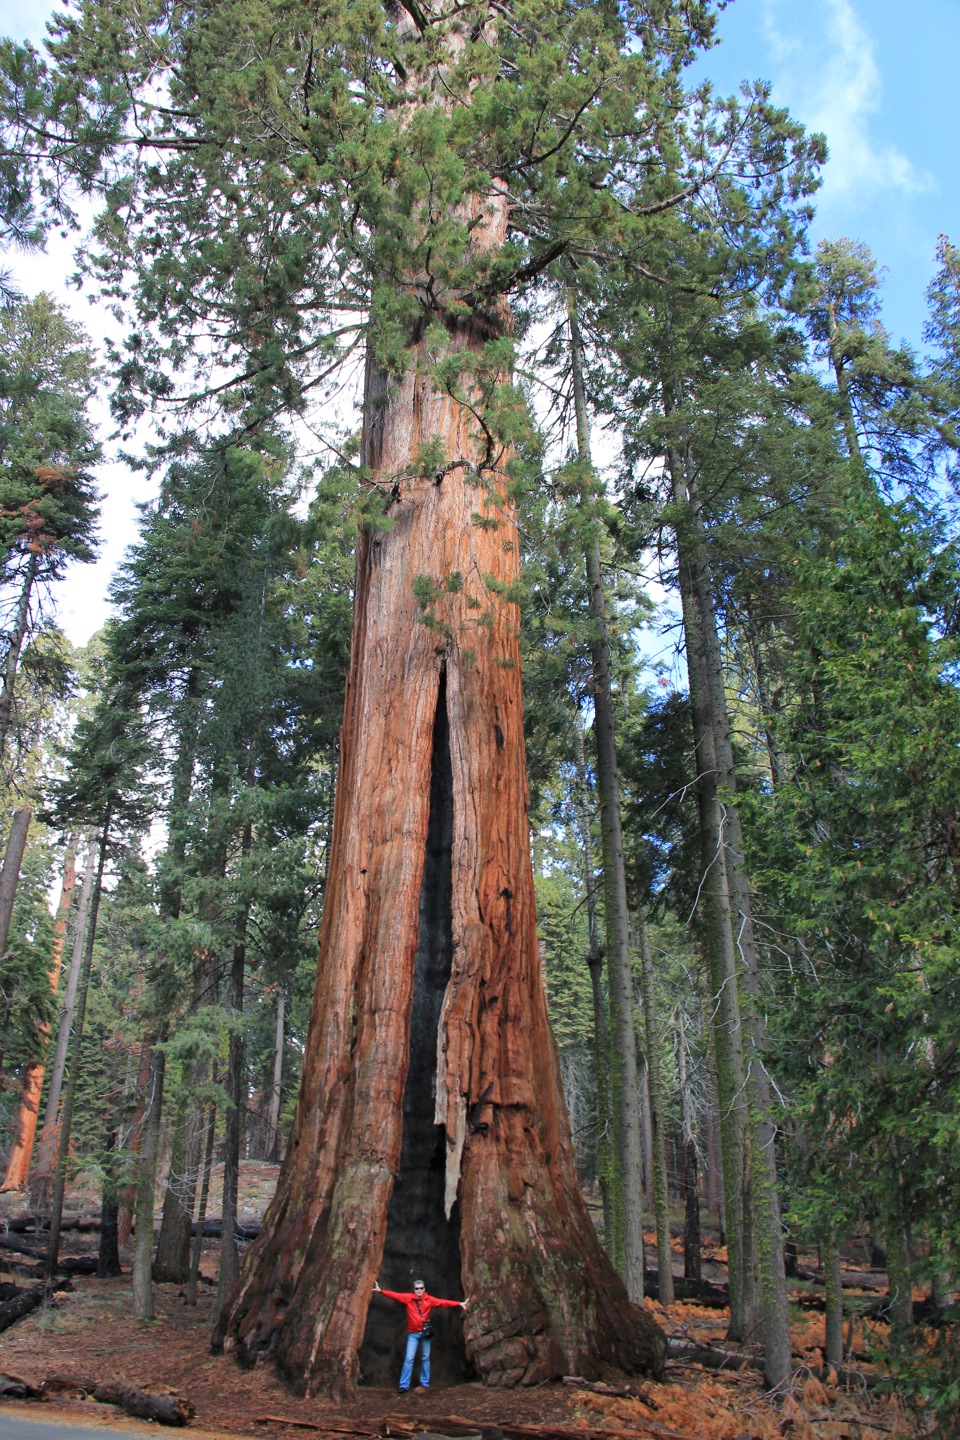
(18, 1165)
(430, 913)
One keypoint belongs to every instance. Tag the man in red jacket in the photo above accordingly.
(419, 1305)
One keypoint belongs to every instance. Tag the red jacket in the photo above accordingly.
(419, 1307)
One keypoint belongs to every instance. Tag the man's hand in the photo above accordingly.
(464, 1303)
(376, 1287)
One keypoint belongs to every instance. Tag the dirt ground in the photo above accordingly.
(89, 1334)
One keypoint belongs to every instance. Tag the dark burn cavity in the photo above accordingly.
(420, 1240)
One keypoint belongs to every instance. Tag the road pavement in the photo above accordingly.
(15, 1426)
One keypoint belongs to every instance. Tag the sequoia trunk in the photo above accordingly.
(429, 985)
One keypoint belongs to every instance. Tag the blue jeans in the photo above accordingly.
(414, 1338)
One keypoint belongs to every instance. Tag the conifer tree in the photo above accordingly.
(48, 506)
(103, 788)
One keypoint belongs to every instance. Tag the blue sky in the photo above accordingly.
(878, 77)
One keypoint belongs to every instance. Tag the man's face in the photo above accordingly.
(418, 1289)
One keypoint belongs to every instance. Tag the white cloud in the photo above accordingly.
(831, 81)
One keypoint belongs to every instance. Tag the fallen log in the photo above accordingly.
(36, 1269)
(19, 1223)
(845, 1375)
(22, 1304)
(14, 1387)
(693, 1354)
(313, 1425)
(16, 1267)
(286, 1420)
(20, 1247)
(558, 1432)
(599, 1387)
(77, 1265)
(925, 1312)
(864, 1280)
(213, 1229)
(69, 1265)
(454, 1426)
(703, 1292)
(731, 1363)
(68, 1385)
(165, 1409)
(705, 1302)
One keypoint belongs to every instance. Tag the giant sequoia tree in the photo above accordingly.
(430, 1134)
(392, 173)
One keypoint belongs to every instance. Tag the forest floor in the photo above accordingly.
(88, 1334)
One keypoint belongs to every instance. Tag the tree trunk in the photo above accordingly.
(833, 1285)
(202, 1205)
(646, 1125)
(172, 1259)
(236, 1099)
(601, 1020)
(66, 1119)
(18, 1165)
(70, 994)
(691, 1188)
(9, 878)
(768, 1228)
(623, 1051)
(128, 1198)
(767, 703)
(665, 1293)
(10, 873)
(171, 1264)
(844, 403)
(18, 633)
(108, 1256)
(171, 899)
(717, 930)
(147, 1186)
(713, 1186)
(272, 1148)
(899, 1286)
(430, 998)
